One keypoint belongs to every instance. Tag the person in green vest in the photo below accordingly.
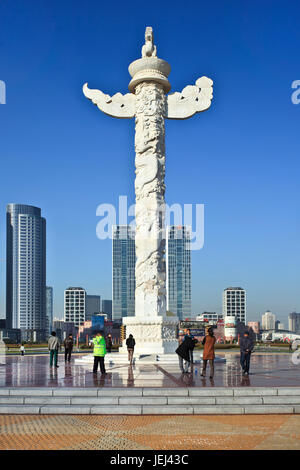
(99, 352)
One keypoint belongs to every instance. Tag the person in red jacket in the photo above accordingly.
(209, 352)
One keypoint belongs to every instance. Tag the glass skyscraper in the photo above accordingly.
(49, 309)
(107, 308)
(178, 264)
(123, 271)
(92, 306)
(26, 270)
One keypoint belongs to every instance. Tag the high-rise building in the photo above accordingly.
(49, 309)
(92, 306)
(268, 321)
(178, 271)
(294, 322)
(234, 303)
(26, 271)
(123, 272)
(107, 308)
(75, 305)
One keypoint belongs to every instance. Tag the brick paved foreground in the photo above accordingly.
(150, 432)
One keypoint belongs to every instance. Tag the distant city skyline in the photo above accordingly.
(241, 161)
(194, 313)
(59, 311)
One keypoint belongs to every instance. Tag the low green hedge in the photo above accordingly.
(220, 346)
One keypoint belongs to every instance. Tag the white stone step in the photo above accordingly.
(147, 409)
(191, 401)
(256, 391)
(218, 410)
(269, 409)
(218, 400)
(161, 392)
(148, 400)
(63, 410)
(117, 410)
(95, 400)
(150, 391)
(7, 400)
(167, 410)
(282, 400)
(19, 409)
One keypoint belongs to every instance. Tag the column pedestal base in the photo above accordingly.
(152, 335)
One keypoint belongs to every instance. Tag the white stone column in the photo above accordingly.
(154, 333)
(148, 102)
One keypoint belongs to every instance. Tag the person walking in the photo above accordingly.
(209, 352)
(130, 343)
(109, 343)
(53, 346)
(22, 349)
(99, 352)
(68, 344)
(246, 348)
(183, 352)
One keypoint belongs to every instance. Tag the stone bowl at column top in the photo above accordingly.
(149, 69)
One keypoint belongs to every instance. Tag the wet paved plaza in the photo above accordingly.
(267, 370)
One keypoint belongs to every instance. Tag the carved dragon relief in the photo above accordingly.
(149, 188)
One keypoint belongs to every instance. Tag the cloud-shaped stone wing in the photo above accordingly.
(118, 105)
(193, 99)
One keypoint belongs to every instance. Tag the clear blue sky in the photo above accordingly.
(240, 158)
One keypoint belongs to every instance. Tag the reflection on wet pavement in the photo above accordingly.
(34, 371)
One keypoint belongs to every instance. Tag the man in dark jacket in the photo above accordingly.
(108, 343)
(68, 344)
(184, 353)
(189, 335)
(130, 343)
(246, 348)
